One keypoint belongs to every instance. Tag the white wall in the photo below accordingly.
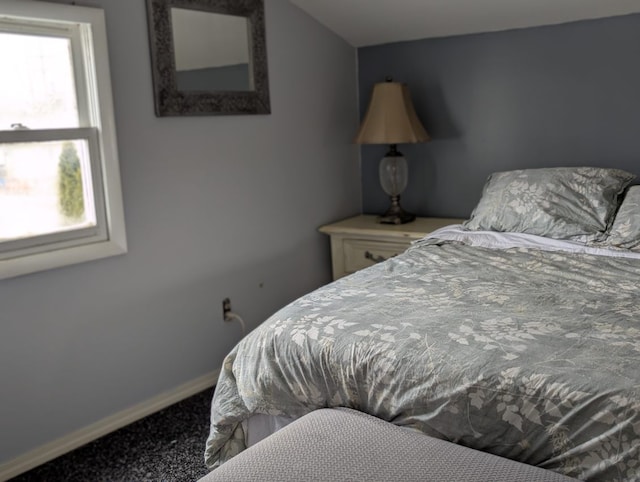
(215, 207)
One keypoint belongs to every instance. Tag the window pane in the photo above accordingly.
(40, 91)
(45, 187)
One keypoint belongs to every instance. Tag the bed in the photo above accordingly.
(515, 340)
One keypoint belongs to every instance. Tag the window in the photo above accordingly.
(60, 195)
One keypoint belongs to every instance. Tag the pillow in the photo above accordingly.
(575, 203)
(625, 230)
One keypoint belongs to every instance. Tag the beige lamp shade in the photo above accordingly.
(391, 118)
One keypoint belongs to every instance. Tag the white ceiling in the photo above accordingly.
(372, 22)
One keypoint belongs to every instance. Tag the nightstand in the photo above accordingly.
(361, 241)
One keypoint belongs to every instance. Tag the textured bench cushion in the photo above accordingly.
(346, 445)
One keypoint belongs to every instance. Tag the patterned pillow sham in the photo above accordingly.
(575, 203)
(625, 230)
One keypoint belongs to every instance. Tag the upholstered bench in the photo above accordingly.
(346, 445)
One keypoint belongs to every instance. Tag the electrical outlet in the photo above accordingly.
(226, 307)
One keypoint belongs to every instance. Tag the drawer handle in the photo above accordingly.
(374, 258)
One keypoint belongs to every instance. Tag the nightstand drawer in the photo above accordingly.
(361, 241)
(359, 253)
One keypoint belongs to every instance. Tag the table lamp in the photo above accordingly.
(391, 119)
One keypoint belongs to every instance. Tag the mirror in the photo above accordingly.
(217, 58)
(208, 57)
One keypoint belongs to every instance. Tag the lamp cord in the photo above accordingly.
(231, 316)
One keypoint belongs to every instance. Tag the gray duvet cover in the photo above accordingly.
(532, 355)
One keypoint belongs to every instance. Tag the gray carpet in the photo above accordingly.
(165, 446)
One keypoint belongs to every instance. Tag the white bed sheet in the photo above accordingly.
(259, 426)
(498, 240)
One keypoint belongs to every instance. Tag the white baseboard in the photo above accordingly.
(51, 450)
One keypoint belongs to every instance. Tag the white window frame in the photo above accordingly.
(86, 28)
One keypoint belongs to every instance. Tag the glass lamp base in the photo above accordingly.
(395, 214)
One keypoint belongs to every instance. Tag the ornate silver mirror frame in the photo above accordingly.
(169, 99)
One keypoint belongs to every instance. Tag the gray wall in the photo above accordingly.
(215, 207)
(229, 77)
(563, 95)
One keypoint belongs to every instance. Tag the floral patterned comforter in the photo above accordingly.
(528, 354)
